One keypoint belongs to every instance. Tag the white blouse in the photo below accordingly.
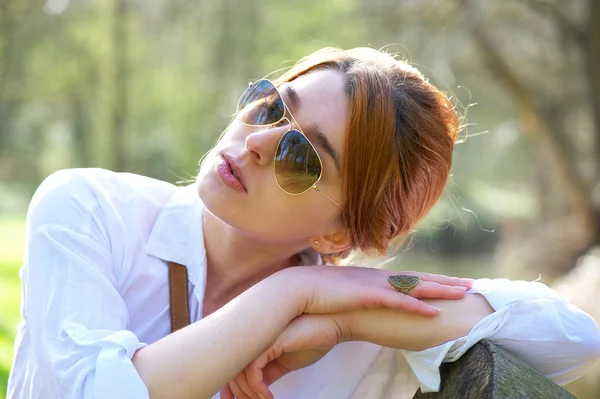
(95, 290)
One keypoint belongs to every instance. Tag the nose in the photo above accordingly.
(261, 144)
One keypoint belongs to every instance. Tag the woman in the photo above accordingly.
(346, 151)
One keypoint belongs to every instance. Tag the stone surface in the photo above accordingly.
(487, 371)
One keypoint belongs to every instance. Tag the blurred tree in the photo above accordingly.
(6, 53)
(548, 111)
(120, 101)
(147, 87)
(543, 59)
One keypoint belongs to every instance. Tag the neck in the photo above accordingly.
(235, 261)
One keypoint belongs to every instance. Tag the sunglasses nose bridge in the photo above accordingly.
(283, 122)
(262, 143)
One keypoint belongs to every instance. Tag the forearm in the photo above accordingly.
(196, 361)
(530, 320)
(402, 330)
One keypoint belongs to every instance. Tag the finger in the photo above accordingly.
(390, 298)
(243, 384)
(272, 372)
(254, 371)
(261, 388)
(237, 391)
(226, 393)
(431, 290)
(445, 280)
(413, 305)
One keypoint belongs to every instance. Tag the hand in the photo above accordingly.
(327, 289)
(309, 337)
(304, 341)
(331, 289)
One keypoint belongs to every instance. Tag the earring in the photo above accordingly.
(316, 242)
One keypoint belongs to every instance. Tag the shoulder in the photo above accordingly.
(72, 197)
(95, 181)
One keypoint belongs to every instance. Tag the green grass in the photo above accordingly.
(11, 251)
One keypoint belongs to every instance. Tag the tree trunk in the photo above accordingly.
(576, 190)
(120, 100)
(487, 371)
(81, 132)
(7, 47)
(593, 62)
(223, 47)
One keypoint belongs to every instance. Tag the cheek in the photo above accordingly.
(305, 216)
(235, 132)
(289, 225)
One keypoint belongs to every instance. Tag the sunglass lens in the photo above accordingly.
(297, 165)
(260, 104)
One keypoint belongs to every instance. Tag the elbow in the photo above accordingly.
(554, 337)
(583, 356)
(583, 332)
(591, 345)
(596, 347)
(582, 346)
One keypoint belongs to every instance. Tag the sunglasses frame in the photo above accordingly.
(299, 130)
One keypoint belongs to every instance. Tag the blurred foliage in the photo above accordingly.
(12, 231)
(146, 87)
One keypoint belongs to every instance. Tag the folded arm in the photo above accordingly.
(407, 331)
(528, 319)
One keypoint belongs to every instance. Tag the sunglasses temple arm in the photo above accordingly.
(326, 196)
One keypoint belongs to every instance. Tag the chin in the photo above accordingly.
(246, 219)
(214, 196)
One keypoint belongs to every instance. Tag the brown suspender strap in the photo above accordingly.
(178, 295)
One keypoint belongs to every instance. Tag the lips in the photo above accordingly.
(231, 173)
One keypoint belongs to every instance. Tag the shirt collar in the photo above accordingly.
(177, 235)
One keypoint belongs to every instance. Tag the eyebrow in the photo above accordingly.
(313, 130)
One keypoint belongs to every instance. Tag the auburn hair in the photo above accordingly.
(398, 150)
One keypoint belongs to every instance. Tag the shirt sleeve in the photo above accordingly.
(531, 321)
(73, 312)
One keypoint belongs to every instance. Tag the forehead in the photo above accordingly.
(323, 101)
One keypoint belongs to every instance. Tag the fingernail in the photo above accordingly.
(435, 308)
(459, 288)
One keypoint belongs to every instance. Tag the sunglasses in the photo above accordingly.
(297, 165)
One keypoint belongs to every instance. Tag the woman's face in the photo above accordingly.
(261, 209)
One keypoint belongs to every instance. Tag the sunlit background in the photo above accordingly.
(146, 87)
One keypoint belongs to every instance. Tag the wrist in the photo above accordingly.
(345, 323)
(291, 287)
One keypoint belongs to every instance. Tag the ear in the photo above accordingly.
(337, 241)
